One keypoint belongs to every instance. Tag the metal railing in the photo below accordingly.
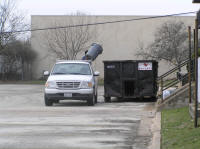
(164, 85)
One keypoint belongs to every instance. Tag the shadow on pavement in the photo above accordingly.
(73, 103)
(140, 100)
(70, 103)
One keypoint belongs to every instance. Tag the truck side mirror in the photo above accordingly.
(96, 73)
(46, 73)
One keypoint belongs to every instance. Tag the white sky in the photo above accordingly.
(106, 7)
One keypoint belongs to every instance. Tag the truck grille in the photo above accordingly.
(68, 85)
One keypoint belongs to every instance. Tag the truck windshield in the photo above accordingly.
(71, 68)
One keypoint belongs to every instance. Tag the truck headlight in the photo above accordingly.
(86, 84)
(51, 84)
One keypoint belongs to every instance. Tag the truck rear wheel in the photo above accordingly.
(96, 98)
(107, 99)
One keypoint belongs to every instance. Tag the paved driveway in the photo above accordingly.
(25, 123)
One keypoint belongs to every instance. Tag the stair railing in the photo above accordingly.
(164, 85)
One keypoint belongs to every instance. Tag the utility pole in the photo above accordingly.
(196, 66)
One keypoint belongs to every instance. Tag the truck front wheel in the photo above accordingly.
(47, 101)
(91, 101)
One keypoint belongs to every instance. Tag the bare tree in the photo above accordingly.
(66, 43)
(170, 44)
(10, 20)
(17, 60)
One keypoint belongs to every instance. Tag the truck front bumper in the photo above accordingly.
(79, 94)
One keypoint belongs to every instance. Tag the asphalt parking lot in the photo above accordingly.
(25, 122)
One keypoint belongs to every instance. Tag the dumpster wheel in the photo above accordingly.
(107, 99)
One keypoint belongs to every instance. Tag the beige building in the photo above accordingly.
(120, 41)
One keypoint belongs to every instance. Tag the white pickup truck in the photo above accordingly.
(74, 80)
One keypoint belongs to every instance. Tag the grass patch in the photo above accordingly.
(40, 82)
(178, 130)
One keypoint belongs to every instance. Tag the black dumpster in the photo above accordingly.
(130, 79)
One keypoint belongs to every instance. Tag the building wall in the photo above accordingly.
(120, 41)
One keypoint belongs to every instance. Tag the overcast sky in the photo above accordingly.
(107, 7)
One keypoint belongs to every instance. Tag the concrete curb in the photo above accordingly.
(156, 127)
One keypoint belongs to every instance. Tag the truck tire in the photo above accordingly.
(96, 98)
(91, 101)
(47, 101)
(107, 99)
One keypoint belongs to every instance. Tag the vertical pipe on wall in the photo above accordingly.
(196, 75)
(190, 63)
